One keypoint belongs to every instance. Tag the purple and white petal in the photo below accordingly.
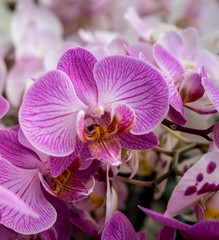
(15, 153)
(138, 142)
(216, 134)
(135, 83)
(59, 164)
(13, 201)
(78, 64)
(23, 140)
(124, 229)
(167, 62)
(210, 89)
(4, 106)
(107, 151)
(176, 110)
(172, 42)
(48, 114)
(201, 179)
(191, 88)
(80, 125)
(190, 44)
(124, 117)
(26, 185)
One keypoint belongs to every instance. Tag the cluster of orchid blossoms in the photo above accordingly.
(98, 97)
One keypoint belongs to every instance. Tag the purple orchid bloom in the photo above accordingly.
(199, 231)
(181, 61)
(22, 170)
(19, 173)
(120, 228)
(112, 103)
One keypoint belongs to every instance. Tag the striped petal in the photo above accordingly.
(135, 83)
(26, 185)
(78, 64)
(48, 114)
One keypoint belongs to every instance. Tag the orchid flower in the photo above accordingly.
(177, 55)
(22, 170)
(19, 174)
(112, 103)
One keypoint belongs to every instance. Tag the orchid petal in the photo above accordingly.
(124, 229)
(26, 185)
(106, 150)
(13, 201)
(135, 83)
(167, 232)
(124, 116)
(191, 88)
(176, 110)
(77, 190)
(80, 126)
(161, 218)
(23, 140)
(210, 89)
(199, 180)
(63, 225)
(4, 106)
(216, 134)
(202, 231)
(190, 43)
(167, 62)
(19, 77)
(48, 114)
(49, 234)
(172, 42)
(78, 64)
(15, 153)
(59, 164)
(111, 198)
(138, 142)
(199, 231)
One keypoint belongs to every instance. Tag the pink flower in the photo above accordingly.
(112, 103)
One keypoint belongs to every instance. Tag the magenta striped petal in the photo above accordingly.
(138, 142)
(59, 164)
(216, 134)
(15, 153)
(26, 185)
(4, 106)
(135, 83)
(191, 88)
(78, 64)
(124, 116)
(172, 42)
(107, 151)
(210, 89)
(48, 114)
(176, 110)
(13, 201)
(167, 62)
(123, 227)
